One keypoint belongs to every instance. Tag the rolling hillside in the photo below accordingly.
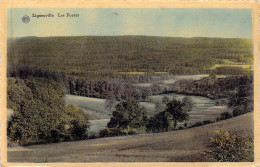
(184, 145)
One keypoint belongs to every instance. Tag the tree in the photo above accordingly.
(242, 98)
(156, 88)
(128, 115)
(176, 112)
(165, 99)
(158, 106)
(110, 104)
(157, 123)
(188, 103)
(166, 120)
(38, 113)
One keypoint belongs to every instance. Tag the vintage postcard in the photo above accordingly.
(129, 84)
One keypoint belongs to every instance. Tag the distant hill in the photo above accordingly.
(94, 56)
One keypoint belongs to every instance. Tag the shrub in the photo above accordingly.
(207, 122)
(108, 132)
(239, 111)
(225, 115)
(220, 102)
(93, 136)
(199, 123)
(78, 122)
(196, 124)
(231, 148)
(165, 99)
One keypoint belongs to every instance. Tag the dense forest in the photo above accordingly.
(40, 115)
(108, 57)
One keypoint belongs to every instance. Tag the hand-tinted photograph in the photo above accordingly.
(130, 85)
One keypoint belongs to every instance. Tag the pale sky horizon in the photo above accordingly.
(166, 22)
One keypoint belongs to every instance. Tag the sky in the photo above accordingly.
(171, 22)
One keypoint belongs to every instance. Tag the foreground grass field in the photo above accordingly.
(185, 145)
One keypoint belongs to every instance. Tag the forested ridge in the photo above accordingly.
(106, 57)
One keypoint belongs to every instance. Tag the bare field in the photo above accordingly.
(184, 145)
(175, 78)
(94, 107)
(245, 66)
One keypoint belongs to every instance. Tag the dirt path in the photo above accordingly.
(184, 145)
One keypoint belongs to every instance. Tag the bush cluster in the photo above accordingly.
(228, 147)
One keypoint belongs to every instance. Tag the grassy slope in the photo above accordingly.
(184, 145)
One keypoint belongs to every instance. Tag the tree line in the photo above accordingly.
(213, 87)
(119, 88)
(235, 91)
